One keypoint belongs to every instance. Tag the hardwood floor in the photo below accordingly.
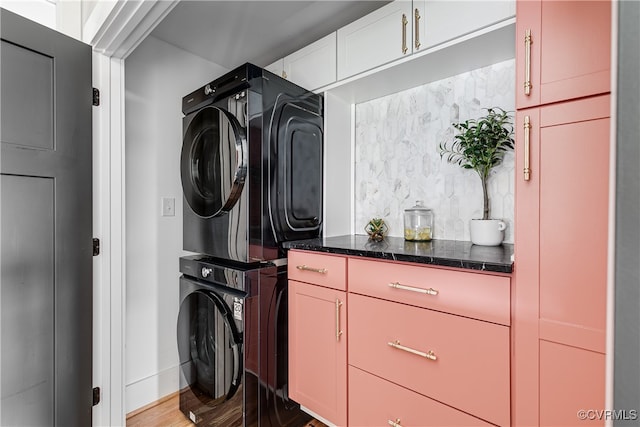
(166, 413)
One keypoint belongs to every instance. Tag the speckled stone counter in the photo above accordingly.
(448, 253)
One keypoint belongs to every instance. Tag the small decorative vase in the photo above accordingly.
(376, 229)
(487, 232)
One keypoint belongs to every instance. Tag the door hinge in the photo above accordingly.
(96, 247)
(96, 97)
(96, 395)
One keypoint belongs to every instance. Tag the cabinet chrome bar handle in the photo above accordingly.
(416, 21)
(429, 291)
(428, 355)
(395, 423)
(338, 331)
(315, 270)
(404, 34)
(527, 62)
(527, 148)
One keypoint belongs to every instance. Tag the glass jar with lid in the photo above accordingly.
(418, 223)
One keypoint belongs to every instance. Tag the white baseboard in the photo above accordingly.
(317, 417)
(151, 389)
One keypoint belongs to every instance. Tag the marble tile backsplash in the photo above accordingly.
(397, 160)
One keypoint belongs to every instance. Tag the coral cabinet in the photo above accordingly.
(443, 337)
(563, 50)
(561, 218)
(317, 335)
(426, 346)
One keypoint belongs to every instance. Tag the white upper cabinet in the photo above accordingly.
(382, 36)
(445, 20)
(311, 67)
(314, 65)
(406, 27)
(277, 67)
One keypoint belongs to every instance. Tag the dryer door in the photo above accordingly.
(209, 346)
(295, 169)
(213, 162)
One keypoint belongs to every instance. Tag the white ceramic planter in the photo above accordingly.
(487, 232)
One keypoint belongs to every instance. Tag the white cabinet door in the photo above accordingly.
(314, 65)
(382, 36)
(445, 20)
(277, 67)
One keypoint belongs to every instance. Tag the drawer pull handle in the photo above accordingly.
(428, 355)
(338, 331)
(404, 34)
(395, 423)
(527, 62)
(315, 270)
(527, 148)
(429, 291)
(416, 17)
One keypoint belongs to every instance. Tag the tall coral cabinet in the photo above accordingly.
(563, 57)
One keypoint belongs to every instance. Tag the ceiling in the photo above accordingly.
(230, 33)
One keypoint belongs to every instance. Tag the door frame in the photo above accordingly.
(114, 30)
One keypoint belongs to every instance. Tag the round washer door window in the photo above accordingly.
(213, 162)
(209, 346)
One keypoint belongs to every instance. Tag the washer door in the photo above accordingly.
(209, 345)
(213, 162)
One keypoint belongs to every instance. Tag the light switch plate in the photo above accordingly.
(168, 206)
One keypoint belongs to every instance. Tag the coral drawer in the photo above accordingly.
(376, 402)
(480, 296)
(456, 360)
(319, 269)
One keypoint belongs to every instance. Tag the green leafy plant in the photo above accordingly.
(376, 229)
(480, 145)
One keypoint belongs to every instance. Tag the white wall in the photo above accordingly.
(157, 76)
(87, 7)
(40, 11)
(69, 18)
(61, 15)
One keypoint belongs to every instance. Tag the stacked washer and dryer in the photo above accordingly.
(251, 169)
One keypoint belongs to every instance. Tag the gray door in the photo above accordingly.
(46, 250)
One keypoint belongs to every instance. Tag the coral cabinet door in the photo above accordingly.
(374, 401)
(561, 257)
(572, 381)
(318, 350)
(574, 199)
(525, 270)
(563, 48)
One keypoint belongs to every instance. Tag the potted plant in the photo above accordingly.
(480, 144)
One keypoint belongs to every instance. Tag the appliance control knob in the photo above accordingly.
(208, 90)
(206, 272)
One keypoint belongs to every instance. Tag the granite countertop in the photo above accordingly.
(448, 253)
